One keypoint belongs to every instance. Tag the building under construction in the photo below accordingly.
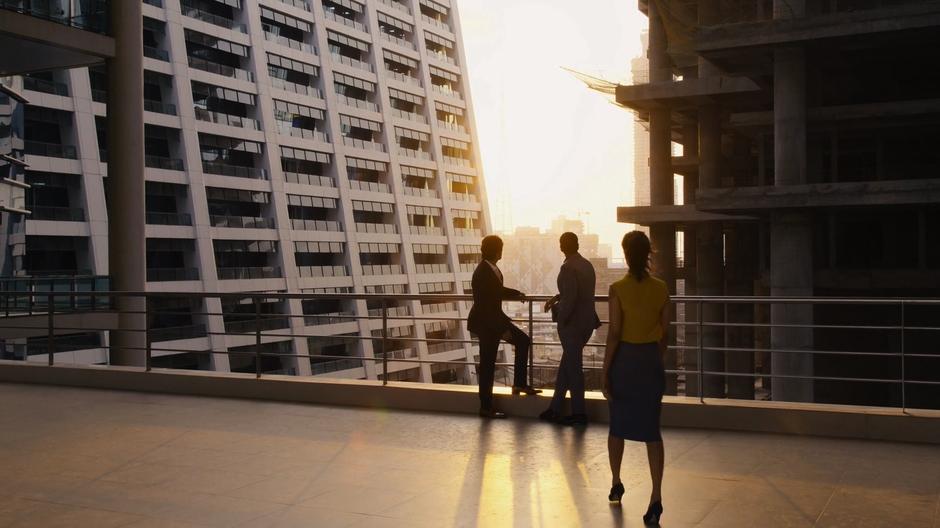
(810, 166)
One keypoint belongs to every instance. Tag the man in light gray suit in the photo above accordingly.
(573, 310)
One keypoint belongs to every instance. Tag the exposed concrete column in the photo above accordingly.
(709, 264)
(791, 236)
(126, 234)
(663, 237)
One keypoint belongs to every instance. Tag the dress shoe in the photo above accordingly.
(528, 390)
(575, 420)
(492, 414)
(549, 415)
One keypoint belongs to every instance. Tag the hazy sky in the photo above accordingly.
(550, 146)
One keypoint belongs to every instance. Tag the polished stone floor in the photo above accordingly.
(74, 457)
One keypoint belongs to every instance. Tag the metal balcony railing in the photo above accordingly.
(410, 116)
(309, 179)
(364, 227)
(159, 107)
(90, 16)
(172, 274)
(349, 61)
(436, 23)
(322, 271)
(216, 20)
(159, 162)
(420, 191)
(304, 224)
(357, 103)
(370, 186)
(242, 222)
(408, 79)
(397, 5)
(382, 269)
(220, 69)
(156, 53)
(301, 4)
(234, 170)
(52, 150)
(399, 41)
(330, 15)
(259, 272)
(290, 43)
(226, 119)
(891, 348)
(44, 86)
(59, 214)
(171, 219)
(412, 153)
(362, 144)
(425, 230)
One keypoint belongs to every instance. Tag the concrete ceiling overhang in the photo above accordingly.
(753, 200)
(31, 44)
(672, 215)
(689, 93)
(747, 47)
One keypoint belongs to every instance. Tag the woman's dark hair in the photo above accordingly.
(636, 247)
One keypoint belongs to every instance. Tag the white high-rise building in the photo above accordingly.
(292, 146)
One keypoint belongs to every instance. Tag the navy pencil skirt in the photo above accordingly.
(637, 383)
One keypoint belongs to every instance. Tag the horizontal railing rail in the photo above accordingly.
(894, 339)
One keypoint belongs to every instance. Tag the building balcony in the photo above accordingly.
(349, 61)
(315, 225)
(468, 267)
(226, 119)
(159, 162)
(172, 274)
(170, 219)
(322, 271)
(299, 4)
(363, 227)
(420, 191)
(262, 272)
(408, 79)
(306, 133)
(241, 222)
(410, 116)
(412, 153)
(458, 162)
(357, 103)
(176, 333)
(424, 230)
(461, 231)
(159, 107)
(464, 197)
(399, 6)
(56, 214)
(66, 12)
(399, 41)
(290, 43)
(156, 53)
(382, 269)
(330, 15)
(234, 170)
(364, 145)
(452, 126)
(44, 86)
(433, 22)
(52, 150)
(293, 87)
(211, 18)
(432, 268)
(221, 69)
(329, 318)
(369, 186)
(446, 90)
(309, 179)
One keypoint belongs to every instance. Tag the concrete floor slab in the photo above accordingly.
(88, 457)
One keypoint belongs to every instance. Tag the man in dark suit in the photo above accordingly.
(573, 310)
(491, 325)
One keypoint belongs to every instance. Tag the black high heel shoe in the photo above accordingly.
(653, 513)
(616, 493)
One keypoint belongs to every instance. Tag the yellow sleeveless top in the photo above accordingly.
(641, 303)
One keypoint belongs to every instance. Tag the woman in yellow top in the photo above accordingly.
(634, 379)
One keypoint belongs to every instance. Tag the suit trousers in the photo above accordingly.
(489, 346)
(570, 375)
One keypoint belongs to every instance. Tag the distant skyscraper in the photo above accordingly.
(292, 146)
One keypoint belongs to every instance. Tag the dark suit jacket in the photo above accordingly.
(487, 316)
(576, 315)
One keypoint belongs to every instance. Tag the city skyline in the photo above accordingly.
(549, 145)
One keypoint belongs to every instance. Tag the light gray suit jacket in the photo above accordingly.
(577, 319)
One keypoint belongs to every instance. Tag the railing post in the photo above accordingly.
(903, 374)
(532, 339)
(50, 342)
(384, 342)
(257, 337)
(149, 351)
(701, 374)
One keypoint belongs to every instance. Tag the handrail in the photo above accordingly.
(385, 313)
